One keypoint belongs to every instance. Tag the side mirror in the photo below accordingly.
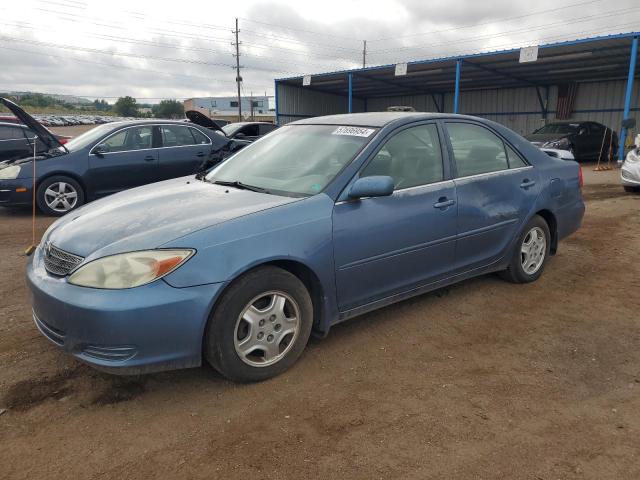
(101, 149)
(375, 186)
(239, 135)
(582, 131)
(629, 123)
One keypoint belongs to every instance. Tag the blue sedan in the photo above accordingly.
(322, 220)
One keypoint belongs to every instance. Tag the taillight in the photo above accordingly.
(64, 140)
(580, 177)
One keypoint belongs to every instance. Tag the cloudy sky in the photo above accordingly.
(153, 50)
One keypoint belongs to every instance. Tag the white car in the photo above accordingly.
(630, 171)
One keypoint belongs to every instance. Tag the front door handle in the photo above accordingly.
(444, 202)
(526, 183)
(149, 158)
(199, 154)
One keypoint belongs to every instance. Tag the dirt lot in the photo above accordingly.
(485, 380)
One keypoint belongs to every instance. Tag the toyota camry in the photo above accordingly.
(321, 220)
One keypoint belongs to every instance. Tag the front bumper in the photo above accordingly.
(15, 192)
(630, 174)
(150, 328)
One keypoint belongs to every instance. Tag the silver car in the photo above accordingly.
(630, 171)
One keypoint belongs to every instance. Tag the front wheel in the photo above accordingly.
(531, 252)
(631, 189)
(260, 326)
(59, 195)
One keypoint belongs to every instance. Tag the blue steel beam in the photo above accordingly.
(628, 95)
(350, 103)
(456, 94)
(275, 99)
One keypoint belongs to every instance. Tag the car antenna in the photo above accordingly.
(30, 249)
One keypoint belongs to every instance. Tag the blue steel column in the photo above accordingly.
(456, 95)
(275, 82)
(628, 95)
(350, 104)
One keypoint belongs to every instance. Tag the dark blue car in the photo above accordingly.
(321, 220)
(107, 159)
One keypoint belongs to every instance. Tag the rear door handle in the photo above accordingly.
(149, 158)
(443, 203)
(199, 154)
(526, 183)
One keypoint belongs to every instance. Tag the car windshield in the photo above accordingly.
(559, 128)
(88, 137)
(295, 160)
(231, 128)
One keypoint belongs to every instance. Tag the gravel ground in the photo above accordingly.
(484, 380)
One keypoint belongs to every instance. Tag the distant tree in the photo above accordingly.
(101, 105)
(126, 107)
(168, 109)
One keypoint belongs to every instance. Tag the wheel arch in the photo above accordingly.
(63, 173)
(552, 222)
(302, 272)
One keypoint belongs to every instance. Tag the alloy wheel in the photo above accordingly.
(267, 328)
(533, 250)
(61, 197)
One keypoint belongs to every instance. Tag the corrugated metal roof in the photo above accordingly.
(596, 58)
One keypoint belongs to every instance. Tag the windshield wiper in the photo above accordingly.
(240, 185)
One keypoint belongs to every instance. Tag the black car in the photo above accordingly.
(16, 141)
(107, 159)
(585, 140)
(249, 131)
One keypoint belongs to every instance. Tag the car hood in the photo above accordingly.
(45, 136)
(544, 137)
(202, 120)
(150, 216)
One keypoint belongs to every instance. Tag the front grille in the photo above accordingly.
(58, 262)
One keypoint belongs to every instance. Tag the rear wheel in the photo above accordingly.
(260, 326)
(531, 252)
(59, 195)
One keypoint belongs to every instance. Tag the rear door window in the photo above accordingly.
(476, 150)
(515, 160)
(263, 129)
(176, 136)
(199, 137)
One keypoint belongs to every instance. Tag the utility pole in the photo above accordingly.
(238, 67)
(364, 53)
(251, 103)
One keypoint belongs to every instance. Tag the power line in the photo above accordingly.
(323, 34)
(472, 25)
(502, 34)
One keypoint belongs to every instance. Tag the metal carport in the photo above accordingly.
(495, 85)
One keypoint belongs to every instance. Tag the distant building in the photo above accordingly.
(257, 108)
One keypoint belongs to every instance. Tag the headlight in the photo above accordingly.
(632, 156)
(128, 270)
(563, 143)
(10, 173)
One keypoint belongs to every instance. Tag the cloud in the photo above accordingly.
(115, 53)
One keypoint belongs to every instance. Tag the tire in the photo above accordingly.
(516, 271)
(631, 189)
(59, 195)
(231, 334)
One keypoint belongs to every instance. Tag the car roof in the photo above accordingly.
(375, 119)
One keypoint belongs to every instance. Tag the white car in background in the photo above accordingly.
(630, 171)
